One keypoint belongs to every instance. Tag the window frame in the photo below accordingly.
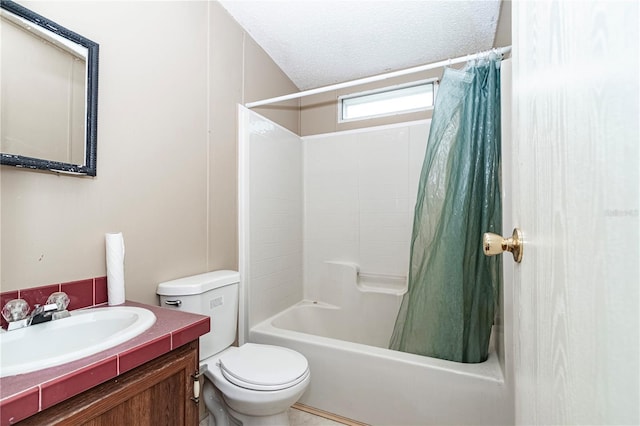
(433, 81)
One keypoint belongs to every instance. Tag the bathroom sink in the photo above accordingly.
(84, 333)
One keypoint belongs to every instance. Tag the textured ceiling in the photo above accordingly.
(317, 43)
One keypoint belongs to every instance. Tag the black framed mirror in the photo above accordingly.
(49, 111)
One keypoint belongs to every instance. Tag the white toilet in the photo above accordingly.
(247, 385)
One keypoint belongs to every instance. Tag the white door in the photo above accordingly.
(575, 190)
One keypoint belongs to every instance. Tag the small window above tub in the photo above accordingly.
(412, 97)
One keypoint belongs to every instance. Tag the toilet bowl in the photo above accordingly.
(257, 383)
(251, 384)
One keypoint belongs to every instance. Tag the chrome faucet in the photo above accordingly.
(42, 313)
(15, 311)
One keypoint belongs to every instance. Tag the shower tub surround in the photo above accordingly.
(24, 395)
(325, 228)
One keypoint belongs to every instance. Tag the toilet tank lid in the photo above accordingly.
(198, 284)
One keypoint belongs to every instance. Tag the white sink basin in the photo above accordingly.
(84, 333)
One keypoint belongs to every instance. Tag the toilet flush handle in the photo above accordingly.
(177, 302)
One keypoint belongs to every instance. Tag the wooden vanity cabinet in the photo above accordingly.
(156, 393)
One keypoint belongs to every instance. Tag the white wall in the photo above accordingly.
(271, 216)
(360, 190)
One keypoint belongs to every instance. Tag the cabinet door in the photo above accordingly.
(154, 394)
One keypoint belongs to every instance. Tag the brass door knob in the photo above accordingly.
(493, 244)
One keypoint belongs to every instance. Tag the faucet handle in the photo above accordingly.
(60, 298)
(15, 310)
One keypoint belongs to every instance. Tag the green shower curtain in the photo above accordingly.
(448, 310)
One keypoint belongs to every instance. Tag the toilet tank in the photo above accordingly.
(214, 294)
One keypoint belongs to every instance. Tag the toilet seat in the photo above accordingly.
(264, 367)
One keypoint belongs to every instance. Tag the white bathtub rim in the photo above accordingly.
(488, 370)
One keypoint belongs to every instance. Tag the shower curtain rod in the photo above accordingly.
(379, 77)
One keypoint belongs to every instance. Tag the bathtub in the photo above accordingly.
(355, 376)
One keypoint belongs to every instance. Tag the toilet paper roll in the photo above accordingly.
(115, 268)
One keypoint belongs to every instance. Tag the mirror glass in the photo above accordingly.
(49, 82)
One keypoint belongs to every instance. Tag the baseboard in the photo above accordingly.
(327, 415)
